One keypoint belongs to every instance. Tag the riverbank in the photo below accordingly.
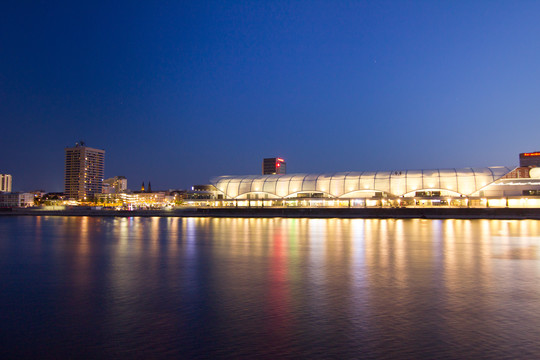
(369, 213)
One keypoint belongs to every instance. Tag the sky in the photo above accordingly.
(177, 92)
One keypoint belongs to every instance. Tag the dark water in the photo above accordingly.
(76, 287)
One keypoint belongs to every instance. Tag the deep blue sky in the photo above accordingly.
(177, 92)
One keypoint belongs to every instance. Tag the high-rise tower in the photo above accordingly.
(529, 159)
(271, 166)
(84, 171)
(5, 183)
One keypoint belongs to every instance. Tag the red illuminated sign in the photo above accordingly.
(532, 154)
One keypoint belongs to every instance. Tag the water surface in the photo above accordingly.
(269, 288)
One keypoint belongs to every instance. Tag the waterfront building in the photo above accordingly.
(5, 183)
(84, 171)
(272, 166)
(374, 186)
(137, 200)
(207, 188)
(495, 186)
(11, 200)
(200, 195)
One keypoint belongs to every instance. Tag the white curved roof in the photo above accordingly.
(466, 181)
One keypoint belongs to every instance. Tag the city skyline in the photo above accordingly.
(180, 93)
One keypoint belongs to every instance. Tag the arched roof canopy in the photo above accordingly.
(361, 194)
(258, 195)
(317, 194)
(444, 192)
(464, 181)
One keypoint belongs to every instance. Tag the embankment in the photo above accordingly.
(370, 213)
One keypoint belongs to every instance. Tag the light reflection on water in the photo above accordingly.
(222, 287)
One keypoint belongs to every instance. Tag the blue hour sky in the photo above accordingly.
(177, 92)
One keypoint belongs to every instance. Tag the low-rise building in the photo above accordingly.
(10, 200)
(144, 200)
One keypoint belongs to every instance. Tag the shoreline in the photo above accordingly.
(347, 213)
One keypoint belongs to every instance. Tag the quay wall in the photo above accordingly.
(369, 213)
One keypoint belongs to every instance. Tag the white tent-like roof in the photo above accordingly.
(452, 182)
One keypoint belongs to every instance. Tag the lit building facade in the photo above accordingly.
(115, 185)
(403, 183)
(488, 186)
(5, 183)
(16, 200)
(84, 172)
(137, 200)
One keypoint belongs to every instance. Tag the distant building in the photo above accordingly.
(16, 200)
(5, 183)
(144, 189)
(529, 159)
(114, 185)
(207, 187)
(38, 193)
(107, 188)
(84, 170)
(199, 195)
(202, 192)
(273, 166)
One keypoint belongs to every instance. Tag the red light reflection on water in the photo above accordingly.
(278, 306)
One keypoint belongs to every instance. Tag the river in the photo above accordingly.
(92, 287)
